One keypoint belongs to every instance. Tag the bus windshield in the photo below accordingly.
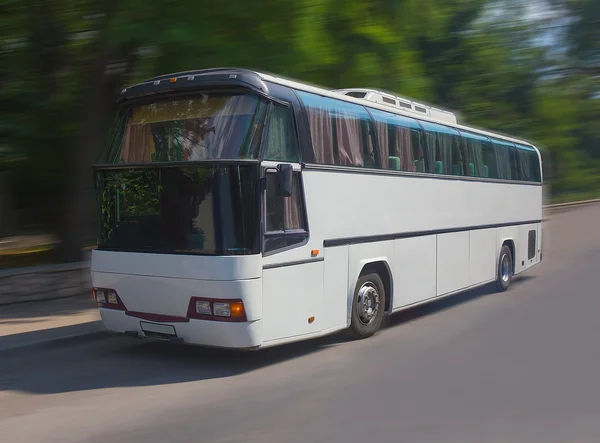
(206, 210)
(207, 126)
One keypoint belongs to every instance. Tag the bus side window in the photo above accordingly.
(285, 223)
(480, 156)
(281, 141)
(489, 161)
(274, 203)
(514, 162)
(341, 132)
(444, 151)
(398, 139)
(535, 167)
(524, 166)
(503, 164)
(431, 144)
(459, 158)
(529, 164)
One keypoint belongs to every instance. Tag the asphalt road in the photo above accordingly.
(522, 366)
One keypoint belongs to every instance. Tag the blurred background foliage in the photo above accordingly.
(529, 68)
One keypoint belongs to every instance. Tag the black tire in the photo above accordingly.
(504, 279)
(360, 327)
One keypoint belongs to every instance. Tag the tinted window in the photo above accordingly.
(211, 126)
(285, 224)
(505, 161)
(274, 205)
(478, 150)
(281, 142)
(293, 215)
(535, 166)
(444, 150)
(490, 162)
(524, 172)
(514, 162)
(340, 132)
(194, 210)
(284, 213)
(399, 146)
(529, 164)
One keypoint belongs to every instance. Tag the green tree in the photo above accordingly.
(63, 62)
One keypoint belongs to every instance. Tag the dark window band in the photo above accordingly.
(387, 237)
(423, 175)
(338, 137)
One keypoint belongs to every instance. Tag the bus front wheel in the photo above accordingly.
(368, 306)
(505, 268)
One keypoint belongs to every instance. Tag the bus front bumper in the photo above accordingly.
(246, 335)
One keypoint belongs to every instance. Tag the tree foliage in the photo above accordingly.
(62, 62)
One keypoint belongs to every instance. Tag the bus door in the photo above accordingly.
(292, 277)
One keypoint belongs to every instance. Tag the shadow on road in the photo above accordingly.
(125, 362)
(435, 306)
(47, 308)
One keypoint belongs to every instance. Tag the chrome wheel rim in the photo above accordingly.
(505, 263)
(368, 303)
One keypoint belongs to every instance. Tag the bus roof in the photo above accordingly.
(255, 81)
(339, 96)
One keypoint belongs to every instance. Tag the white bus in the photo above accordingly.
(242, 210)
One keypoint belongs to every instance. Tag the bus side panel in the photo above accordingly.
(525, 261)
(335, 200)
(482, 256)
(452, 262)
(335, 288)
(414, 270)
(291, 296)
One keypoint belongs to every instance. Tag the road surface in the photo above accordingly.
(522, 366)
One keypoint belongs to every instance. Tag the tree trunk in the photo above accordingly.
(6, 207)
(80, 206)
(80, 219)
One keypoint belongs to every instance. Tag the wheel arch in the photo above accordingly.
(511, 245)
(381, 266)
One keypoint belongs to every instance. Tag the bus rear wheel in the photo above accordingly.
(505, 269)
(368, 306)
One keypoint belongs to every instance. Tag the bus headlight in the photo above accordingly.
(100, 296)
(203, 307)
(222, 309)
(108, 298)
(112, 298)
(217, 309)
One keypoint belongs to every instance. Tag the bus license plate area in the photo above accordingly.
(155, 330)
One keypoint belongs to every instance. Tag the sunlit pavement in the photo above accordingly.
(35, 324)
(521, 366)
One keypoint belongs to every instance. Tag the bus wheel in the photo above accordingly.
(505, 269)
(368, 306)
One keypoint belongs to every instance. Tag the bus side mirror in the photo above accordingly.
(284, 174)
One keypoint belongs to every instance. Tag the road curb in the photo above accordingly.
(47, 338)
(572, 204)
(45, 269)
(44, 283)
(41, 298)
